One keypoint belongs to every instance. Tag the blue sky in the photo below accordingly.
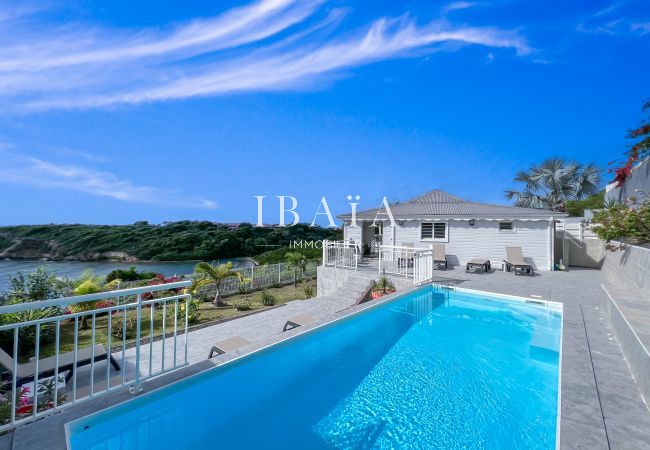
(112, 112)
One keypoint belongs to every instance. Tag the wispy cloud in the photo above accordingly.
(269, 45)
(454, 6)
(36, 172)
(642, 28)
(615, 20)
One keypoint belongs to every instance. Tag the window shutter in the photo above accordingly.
(439, 230)
(426, 231)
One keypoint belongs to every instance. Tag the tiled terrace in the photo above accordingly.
(601, 403)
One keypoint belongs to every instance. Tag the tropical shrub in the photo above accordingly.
(87, 284)
(193, 312)
(212, 275)
(130, 274)
(624, 221)
(22, 400)
(158, 280)
(280, 254)
(308, 289)
(243, 305)
(576, 208)
(118, 331)
(267, 298)
(296, 264)
(383, 286)
(46, 391)
(38, 285)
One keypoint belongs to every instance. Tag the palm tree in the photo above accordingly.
(552, 183)
(296, 262)
(209, 274)
(87, 284)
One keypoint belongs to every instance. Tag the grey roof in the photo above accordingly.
(439, 203)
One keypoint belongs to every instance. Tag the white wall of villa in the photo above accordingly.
(463, 241)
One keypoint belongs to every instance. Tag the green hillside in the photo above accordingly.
(174, 241)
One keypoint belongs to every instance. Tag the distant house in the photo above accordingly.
(468, 229)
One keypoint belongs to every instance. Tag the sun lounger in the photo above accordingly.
(47, 366)
(439, 256)
(515, 259)
(481, 264)
(297, 321)
(228, 345)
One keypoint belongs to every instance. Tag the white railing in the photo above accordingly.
(341, 254)
(409, 262)
(254, 277)
(423, 266)
(396, 260)
(57, 359)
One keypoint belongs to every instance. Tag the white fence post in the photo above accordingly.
(136, 388)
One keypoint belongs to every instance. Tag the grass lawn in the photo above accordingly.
(209, 313)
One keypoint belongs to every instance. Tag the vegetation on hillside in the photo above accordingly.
(280, 254)
(130, 274)
(174, 241)
(554, 182)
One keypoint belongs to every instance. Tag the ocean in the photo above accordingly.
(73, 269)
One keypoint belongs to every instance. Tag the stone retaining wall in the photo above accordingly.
(628, 267)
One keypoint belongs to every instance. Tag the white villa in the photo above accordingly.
(468, 229)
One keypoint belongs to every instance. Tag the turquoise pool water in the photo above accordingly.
(432, 369)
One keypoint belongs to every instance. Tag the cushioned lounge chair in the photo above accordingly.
(515, 259)
(228, 345)
(47, 366)
(439, 256)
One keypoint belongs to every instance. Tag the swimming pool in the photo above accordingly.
(432, 368)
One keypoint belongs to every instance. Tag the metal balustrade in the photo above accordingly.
(341, 254)
(408, 262)
(423, 266)
(124, 329)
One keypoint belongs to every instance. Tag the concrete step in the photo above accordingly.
(355, 289)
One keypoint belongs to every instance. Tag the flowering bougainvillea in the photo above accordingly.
(638, 151)
(161, 279)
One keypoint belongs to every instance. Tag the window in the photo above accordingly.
(426, 232)
(439, 230)
(436, 231)
(506, 226)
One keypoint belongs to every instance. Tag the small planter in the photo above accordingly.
(378, 294)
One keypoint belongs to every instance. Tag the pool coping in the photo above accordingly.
(57, 426)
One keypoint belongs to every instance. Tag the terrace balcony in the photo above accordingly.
(602, 403)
